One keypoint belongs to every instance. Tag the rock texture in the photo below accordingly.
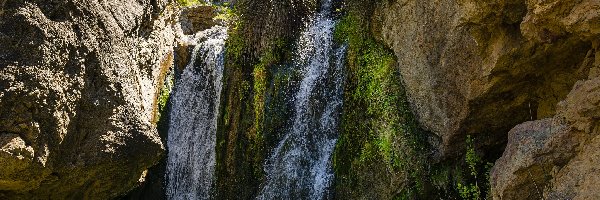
(78, 85)
(79, 82)
(555, 158)
(481, 67)
(197, 18)
(190, 21)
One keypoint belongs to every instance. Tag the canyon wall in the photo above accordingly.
(472, 69)
(435, 92)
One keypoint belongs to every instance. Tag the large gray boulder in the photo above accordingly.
(78, 83)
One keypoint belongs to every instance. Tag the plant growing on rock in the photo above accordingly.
(472, 190)
(189, 2)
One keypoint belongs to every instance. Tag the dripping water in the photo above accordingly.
(299, 167)
(193, 119)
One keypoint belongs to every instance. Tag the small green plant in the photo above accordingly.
(165, 92)
(472, 190)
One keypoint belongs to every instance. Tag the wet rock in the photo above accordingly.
(262, 36)
(197, 18)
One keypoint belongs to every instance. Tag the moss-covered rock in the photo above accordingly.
(382, 152)
(259, 44)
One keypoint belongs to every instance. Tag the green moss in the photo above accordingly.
(235, 47)
(163, 89)
(225, 13)
(440, 177)
(243, 123)
(387, 136)
(260, 81)
(190, 2)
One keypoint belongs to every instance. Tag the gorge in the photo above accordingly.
(300, 99)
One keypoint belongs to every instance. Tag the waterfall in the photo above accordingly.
(193, 119)
(299, 167)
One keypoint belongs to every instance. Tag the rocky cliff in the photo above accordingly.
(435, 94)
(554, 158)
(475, 69)
(78, 87)
(479, 68)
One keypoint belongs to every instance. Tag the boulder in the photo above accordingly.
(554, 158)
(78, 86)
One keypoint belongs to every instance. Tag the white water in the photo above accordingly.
(300, 166)
(193, 120)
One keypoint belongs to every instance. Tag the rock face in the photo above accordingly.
(555, 158)
(197, 18)
(78, 83)
(481, 67)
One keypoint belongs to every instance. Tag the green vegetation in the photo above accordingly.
(472, 190)
(163, 89)
(387, 136)
(165, 93)
(189, 2)
(224, 13)
(244, 125)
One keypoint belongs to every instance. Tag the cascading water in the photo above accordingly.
(300, 165)
(193, 122)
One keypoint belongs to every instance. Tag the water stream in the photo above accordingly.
(300, 165)
(193, 119)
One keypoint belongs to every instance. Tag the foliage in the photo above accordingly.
(189, 2)
(388, 135)
(225, 13)
(165, 93)
(472, 190)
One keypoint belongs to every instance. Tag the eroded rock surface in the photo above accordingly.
(78, 83)
(555, 158)
(197, 18)
(481, 67)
